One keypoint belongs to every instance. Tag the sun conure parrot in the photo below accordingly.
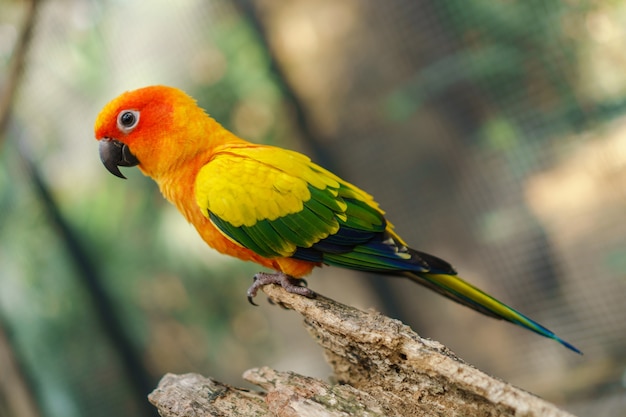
(269, 205)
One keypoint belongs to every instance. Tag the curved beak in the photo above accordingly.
(114, 154)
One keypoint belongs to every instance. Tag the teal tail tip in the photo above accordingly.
(538, 328)
(568, 345)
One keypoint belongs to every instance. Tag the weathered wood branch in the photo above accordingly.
(381, 367)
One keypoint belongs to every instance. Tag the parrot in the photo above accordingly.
(267, 204)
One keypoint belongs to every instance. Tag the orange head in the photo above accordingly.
(155, 128)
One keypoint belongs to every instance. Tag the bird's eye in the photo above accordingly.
(127, 120)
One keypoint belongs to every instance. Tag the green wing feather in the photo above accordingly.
(274, 202)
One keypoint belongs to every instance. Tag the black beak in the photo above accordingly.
(114, 154)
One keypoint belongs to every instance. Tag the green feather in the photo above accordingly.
(362, 216)
(354, 260)
(322, 211)
(323, 226)
(238, 234)
(281, 228)
(298, 232)
(328, 197)
(265, 236)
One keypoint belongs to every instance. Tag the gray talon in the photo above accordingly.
(289, 283)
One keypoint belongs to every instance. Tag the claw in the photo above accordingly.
(251, 301)
(289, 283)
(251, 293)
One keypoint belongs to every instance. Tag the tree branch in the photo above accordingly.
(16, 66)
(381, 366)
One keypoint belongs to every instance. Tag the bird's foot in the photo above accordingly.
(289, 283)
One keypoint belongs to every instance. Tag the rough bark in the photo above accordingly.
(381, 368)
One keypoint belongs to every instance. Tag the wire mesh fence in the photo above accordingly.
(491, 132)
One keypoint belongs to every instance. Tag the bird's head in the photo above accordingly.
(151, 128)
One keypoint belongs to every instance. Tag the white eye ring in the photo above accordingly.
(127, 120)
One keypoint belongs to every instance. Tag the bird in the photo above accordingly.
(270, 205)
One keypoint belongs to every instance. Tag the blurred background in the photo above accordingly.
(493, 132)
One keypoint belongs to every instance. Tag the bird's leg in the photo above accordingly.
(289, 283)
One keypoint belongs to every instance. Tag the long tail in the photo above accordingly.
(387, 254)
(465, 293)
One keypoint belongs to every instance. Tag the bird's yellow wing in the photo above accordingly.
(274, 202)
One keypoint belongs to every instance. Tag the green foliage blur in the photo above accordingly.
(491, 132)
